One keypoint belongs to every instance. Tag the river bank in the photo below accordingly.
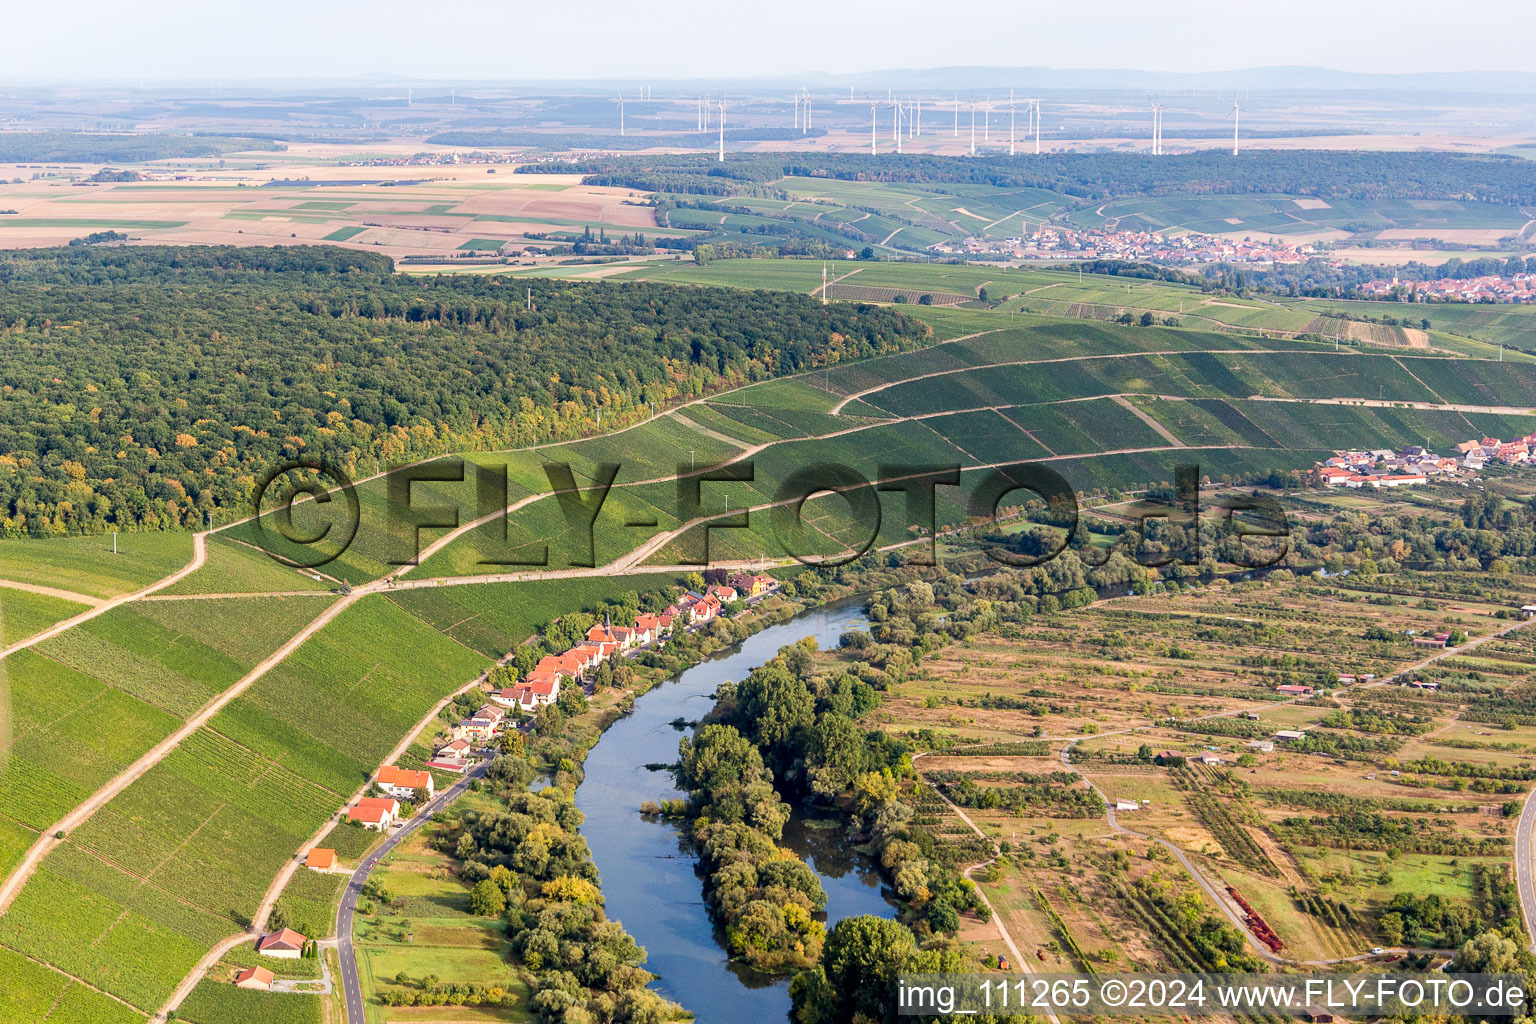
(647, 868)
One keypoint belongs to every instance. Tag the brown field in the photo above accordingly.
(1153, 671)
(442, 208)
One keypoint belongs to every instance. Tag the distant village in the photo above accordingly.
(1053, 242)
(1490, 288)
(1413, 464)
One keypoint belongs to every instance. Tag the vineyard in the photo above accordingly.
(1212, 810)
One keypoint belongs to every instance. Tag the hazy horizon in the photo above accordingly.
(167, 41)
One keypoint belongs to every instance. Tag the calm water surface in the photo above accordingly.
(647, 871)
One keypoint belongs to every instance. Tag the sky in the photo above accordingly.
(158, 40)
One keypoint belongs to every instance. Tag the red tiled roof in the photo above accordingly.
(321, 858)
(285, 939)
(391, 775)
(260, 975)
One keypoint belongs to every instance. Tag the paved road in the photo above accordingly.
(1524, 867)
(344, 914)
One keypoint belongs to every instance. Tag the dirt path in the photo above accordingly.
(1015, 213)
(83, 811)
(691, 424)
(66, 595)
(838, 408)
(1416, 379)
(275, 890)
(199, 556)
(1376, 403)
(1022, 964)
(226, 597)
(1142, 415)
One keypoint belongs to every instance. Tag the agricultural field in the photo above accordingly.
(1140, 689)
(443, 212)
(1309, 218)
(129, 676)
(422, 926)
(183, 856)
(25, 613)
(87, 565)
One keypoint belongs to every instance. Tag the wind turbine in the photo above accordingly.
(807, 124)
(896, 124)
(621, 112)
(797, 109)
(1010, 122)
(872, 147)
(957, 115)
(1235, 115)
(1157, 128)
(722, 128)
(973, 129)
(1037, 127)
(701, 110)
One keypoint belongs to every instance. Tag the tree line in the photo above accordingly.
(148, 387)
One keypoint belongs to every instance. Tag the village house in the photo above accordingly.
(375, 813)
(254, 977)
(482, 726)
(286, 944)
(752, 584)
(458, 750)
(320, 859)
(541, 689)
(403, 784)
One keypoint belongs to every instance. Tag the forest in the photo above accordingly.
(147, 387)
(1321, 173)
(30, 147)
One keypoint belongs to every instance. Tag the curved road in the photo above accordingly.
(1524, 867)
(351, 990)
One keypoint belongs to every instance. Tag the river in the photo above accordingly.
(647, 870)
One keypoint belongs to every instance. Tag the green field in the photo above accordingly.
(23, 613)
(221, 1003)
(88, 566)
(1275, 214)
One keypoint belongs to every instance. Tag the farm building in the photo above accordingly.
(286, 944)
(403, 784)
(320, 859)
(1294, 690)
(1262, 746)
(1528, 611)
(1290, 735)
(1127, 805)
(254, 977)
